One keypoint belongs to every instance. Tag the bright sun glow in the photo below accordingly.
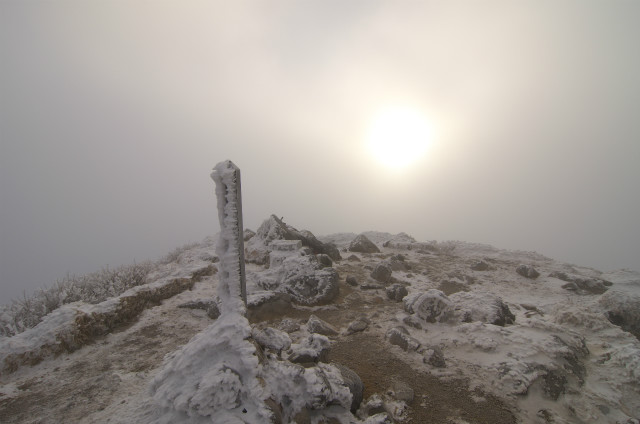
(398, 137)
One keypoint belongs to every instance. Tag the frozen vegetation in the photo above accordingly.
(25, 313)
(442, 332)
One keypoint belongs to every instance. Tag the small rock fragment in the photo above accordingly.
(316, 325)
(433, 356)
(401, 391)
(372, 286)
(412, 321)
(480, 266)
(357, 326)
(527, 271)
(397, 292)
(399, 336)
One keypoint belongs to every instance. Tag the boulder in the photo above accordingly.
(527, 271)
(265, 305)
(351, 280)
(431, 306)
(622, 309)
(581, 285)
(483, 307)
(286, 245)
(363, 245)
(318, 288)
(306, 284)
(399, 336)
(382, 273)
(353, 258)
(397, 292)
(324, 260)
(400, 241)
(316, 325)
(273, 228)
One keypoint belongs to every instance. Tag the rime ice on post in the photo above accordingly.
(232, 286)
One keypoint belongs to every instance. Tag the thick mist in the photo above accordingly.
(112, 115)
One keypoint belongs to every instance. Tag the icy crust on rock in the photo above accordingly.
(273, 230)
(295, 387)
(533, 354)
(431, 305)
(299, 276)
(434, 306)
(215, 375)
(483, 307)
(230, 247)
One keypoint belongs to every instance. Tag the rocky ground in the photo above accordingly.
(436, 333)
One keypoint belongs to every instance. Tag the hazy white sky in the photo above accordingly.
(113, 113)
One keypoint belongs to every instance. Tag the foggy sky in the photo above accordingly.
(112, 115)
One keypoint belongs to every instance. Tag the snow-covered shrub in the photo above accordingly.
(27, 312)
(446, 247)
(174, 255)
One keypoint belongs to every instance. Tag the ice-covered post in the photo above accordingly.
(232, 288)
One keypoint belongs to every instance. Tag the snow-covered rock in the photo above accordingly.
(527, 271)
(271, 338)
(358, 325)
(314, 348)
(580, 284)
(362, 244)
(433, 356)
(215, 376)
(431, 306)
(399, 336)
(400, 241)
(480, 266)
(622, 309)
(396, 292)
(273, 229)
(308, 285)
(354, 383)
(483, 307)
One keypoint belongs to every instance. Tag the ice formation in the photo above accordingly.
(232, 287)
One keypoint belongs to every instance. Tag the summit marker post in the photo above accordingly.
(232, 287)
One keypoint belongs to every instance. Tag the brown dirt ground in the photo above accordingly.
(435, 401)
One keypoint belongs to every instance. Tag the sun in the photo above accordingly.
(398, 137)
